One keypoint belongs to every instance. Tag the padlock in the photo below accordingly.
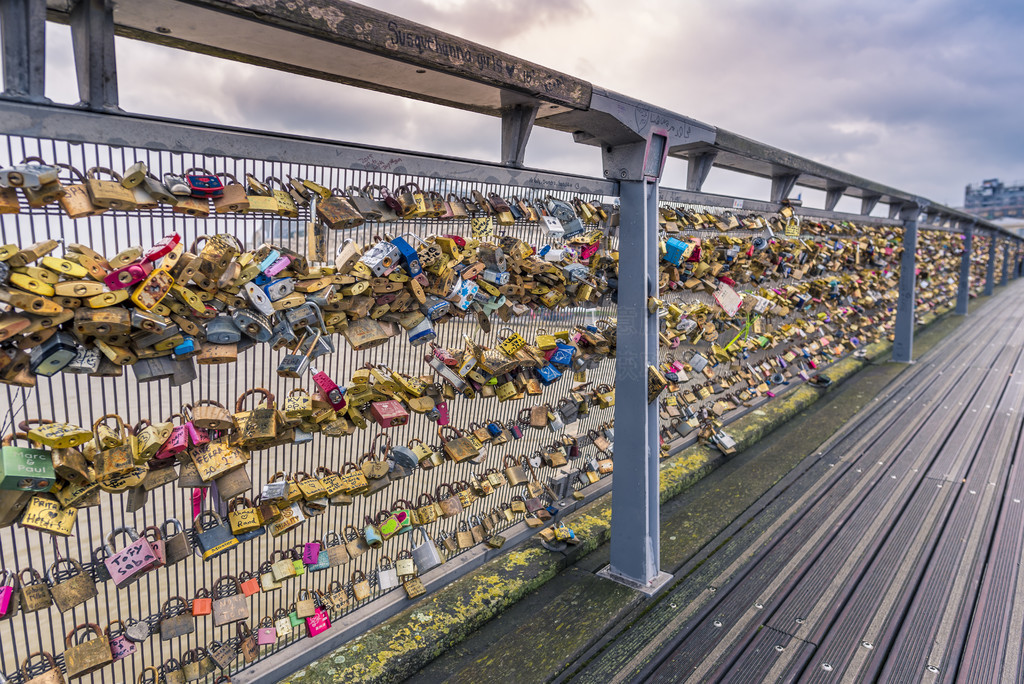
(229, 602)
(108, 194)
(35, 592)
(130, 563)
(69, 588)
(381, 258)
(295, 365)
(387, 575)
(285, 204)
(86, 655)
(25, 469)
(203, 183)
(120, 646)
(213, 536)
(232, 199)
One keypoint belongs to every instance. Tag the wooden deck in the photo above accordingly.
(892, 555)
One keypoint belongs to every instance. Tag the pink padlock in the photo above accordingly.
(319, 622)
(330, 390)
(131, 562)
(155, 538)
(120, 647)
(7, 590)
(589, 251)
(266, 636)
(128, 275)
(311, 553)
(196, 436)
(442, 412)
(176, 443)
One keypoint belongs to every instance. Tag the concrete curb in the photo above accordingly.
(402, 645)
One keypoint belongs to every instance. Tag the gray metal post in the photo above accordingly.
(963, 285)
(23, 31)
(92, 37)
(990, 273)
(1006, 263)
(903, 346)
(635, 552)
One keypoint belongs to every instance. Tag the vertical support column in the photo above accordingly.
(990, 273)
(635, 550)
(23, 32)
(1006, 263)
(963, 285)
(92, 37)
(903, 346)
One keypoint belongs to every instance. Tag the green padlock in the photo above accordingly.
(25, 469)
(293, 616)
(300, 567)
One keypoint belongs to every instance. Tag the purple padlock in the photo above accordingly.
(311, 553)
(282, 263)
(442, 412)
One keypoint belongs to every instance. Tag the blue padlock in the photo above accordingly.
(435, 307)
(269, 261)
(410, 257)
(675, 251)
(548, 374)
(252, 534)
(422, 332)
(187, 346)
(494, 429)
(513, 427)
(563, 355)
(261, 280)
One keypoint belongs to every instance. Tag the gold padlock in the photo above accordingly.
(109, 194)
(285, 204)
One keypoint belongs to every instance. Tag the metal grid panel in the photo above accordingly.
(81, 399)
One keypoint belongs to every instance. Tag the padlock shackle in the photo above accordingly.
(268, 397)
(102, 420)
(217, 590)
(24, 669)
(91, 173)
(384, 450)
(9, 438)
(74, 633)
(127, 529)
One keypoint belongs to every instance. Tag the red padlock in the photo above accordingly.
(250, 583)
(329, 389)
(129, 275)
(162, 248)
(389, 413)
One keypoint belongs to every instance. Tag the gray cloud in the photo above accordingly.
(923, 95)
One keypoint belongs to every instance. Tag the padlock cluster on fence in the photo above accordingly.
(748, 305)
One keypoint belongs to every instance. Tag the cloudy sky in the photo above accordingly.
(923, 95)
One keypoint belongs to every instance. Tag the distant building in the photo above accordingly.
(991, 199)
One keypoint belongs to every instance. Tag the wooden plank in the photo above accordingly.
(631, 653)
(737, 611)
(933, 630)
